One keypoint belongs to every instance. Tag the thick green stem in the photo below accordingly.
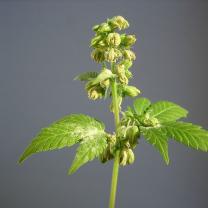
(115, 172)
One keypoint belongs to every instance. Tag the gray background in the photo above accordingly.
(43, 45)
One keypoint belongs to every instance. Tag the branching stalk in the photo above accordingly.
(115, 172)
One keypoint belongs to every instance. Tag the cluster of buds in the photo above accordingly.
(97, 86)
(149, 121)
(109, 152)
(128, 135)
(109, 45)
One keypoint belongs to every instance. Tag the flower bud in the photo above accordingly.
(95, 40)
(119, 22)
(104, 27)
(95, 28)
(123, 157)
(98, 55)
(127, 63)
(130, 55)
(131, 91)
(130, 155)
(113, 39)
(95, 93)
(110, 55)
(129, 40)
(132, 135)
(104, 75)
(120, 71)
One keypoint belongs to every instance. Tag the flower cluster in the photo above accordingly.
(110, 47)
(113, 51)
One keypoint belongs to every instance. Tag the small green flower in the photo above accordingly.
(129, 40)
(119, 22)
(123, 157)
(113, 39)
(131, 91)
(130, 156)
(103, 28)
(112, 54)
(120, 71)
(98, 55)
(130, 55)
(95, 93)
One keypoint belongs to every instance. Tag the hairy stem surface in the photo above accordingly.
(115, 172)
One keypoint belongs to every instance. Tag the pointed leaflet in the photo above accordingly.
(64, 133)
(158, 139)
(166, 111)
(87, 151)
(188, 134)
(140, 105)
(86, 76)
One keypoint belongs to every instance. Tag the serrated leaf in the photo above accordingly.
(158, 139)
(64, 133)
(166, 111)
(86, 76)
(141, 105)
(87, 151)
(188, 134)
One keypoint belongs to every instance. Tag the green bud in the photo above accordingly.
(95, 40)
(129, 40)
(120, 71)
(121, 132)
(113, 39)
(103, 28)
(104, 75)
(132, 135)
(98, 55)
(95, 28)
(119, 22)
(130, 55)
(131, 91)
(130, 155)
(123, 157)
(112, 55)
(95, 93)
(127, 63)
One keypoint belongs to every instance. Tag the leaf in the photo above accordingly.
(188, 134)
(86, 76)
(158, 139)
(141, 105)
(87, 151)
(64, 133)
(166, 111)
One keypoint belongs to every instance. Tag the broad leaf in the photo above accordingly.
(64, 133)
(141, 105)
(166, 111)
(158, 139)
(86, 76)
(188, 134)
(87, 151)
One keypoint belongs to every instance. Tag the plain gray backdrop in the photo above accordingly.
(43, 46)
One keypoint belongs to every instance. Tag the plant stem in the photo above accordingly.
(115, 172)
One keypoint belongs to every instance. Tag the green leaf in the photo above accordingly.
(64, 133)
(87, 151)
(86, 76)
(188, 134)
(166, 111)
(141, 105)
(158, 139)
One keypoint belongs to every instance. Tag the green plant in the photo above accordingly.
(156, 122)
